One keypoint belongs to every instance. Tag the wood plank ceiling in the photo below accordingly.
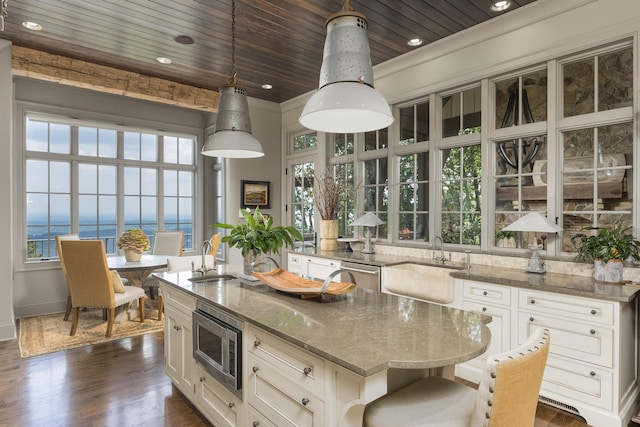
(278, 42)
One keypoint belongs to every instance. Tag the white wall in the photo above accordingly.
(7, 324)
(265, 123)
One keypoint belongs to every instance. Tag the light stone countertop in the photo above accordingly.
(366, 333)
(566, 284)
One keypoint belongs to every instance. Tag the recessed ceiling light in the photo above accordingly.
(415, 42)
(267, 86)
(163, 60)
(34, 26)
(500, 5)
(184, 39)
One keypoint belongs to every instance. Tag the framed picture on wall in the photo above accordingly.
(255, 194)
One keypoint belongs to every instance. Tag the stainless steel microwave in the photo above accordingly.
(217, 345)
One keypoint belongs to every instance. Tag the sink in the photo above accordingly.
(425, 282)
(212, 278)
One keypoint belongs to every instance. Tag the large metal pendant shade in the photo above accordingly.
(346, 101)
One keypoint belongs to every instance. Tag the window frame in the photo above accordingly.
(105, 121)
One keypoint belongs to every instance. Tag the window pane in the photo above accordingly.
(60, 139)
(149, 147)
(107, 143)
(578, 87)
(170, 149)
(87, 178)
(407, 125)
(471, 110)
(37, 176)
(37, 136)
(107, 179)
(88, 209)
(185, 151)
(186, 181)
(615, 80)
(422, 122)
(131, 180)
(149, 181)
(132, 146)
(87, 141)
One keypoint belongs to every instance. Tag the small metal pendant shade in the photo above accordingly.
(346, 101)
(232, 137)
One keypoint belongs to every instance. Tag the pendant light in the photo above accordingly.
(346, 101)
(232, 137)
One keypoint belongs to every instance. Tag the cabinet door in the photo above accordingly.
(500, 327)
(321, 268)
(219, 405)
(178, 344)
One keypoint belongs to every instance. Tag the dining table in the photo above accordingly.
(136, 271)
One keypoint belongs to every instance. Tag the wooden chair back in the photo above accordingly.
(88, 273)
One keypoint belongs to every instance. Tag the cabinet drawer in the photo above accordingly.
(592, 311)
(485, 292)
(178, 299)
(568, 382)
(500, 327)
(220, 406)
(588, 343)
(296, 260)
(321, 268)
(296, 365)
(282, 402)
(257, 419)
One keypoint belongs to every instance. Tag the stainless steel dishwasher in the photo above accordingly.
(366, 276)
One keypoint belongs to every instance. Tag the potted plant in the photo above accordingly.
(328, 194)
(133, 242)
(607, 248)
(258, 236)
(506, 239)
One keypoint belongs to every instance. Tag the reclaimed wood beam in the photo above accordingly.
(74, 72)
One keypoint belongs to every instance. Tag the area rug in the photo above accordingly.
(49, 333)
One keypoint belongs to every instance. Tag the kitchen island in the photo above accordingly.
(311, 362)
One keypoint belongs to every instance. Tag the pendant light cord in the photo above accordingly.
(232, 79)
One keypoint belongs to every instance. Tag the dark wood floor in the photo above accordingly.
(119, 383)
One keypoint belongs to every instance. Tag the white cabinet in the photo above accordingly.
(495, 301)
(592, 365)
(178, 339)
(312, 266)
(285, 384)
(215, 402)
(219, 405)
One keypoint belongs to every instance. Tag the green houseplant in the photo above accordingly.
(607, 248)
(258, 236)
(133, 242)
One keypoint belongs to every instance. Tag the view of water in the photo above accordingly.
(42, 245)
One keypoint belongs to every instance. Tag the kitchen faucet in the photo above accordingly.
(441, 259)
(206, 247)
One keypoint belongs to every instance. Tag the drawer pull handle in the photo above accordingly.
(484, 308)
(256, 343)
(177, 328)
(305, 401)
(593, 374)
(255, 423)
(231, 404)
(255, 368)
(592, 332)
(307, 370)
(532, 301)
(201, 379)
(594, 311)
(531, 319)
(485, 293)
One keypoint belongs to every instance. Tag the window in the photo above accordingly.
(100, 181)
(303, 142)
(461, 195)
(461, 112)
(414, 123)
(597, 141)
(413, 216)
(376, 191)
(343, 171)
(302, 199)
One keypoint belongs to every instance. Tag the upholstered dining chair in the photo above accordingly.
(507, 394)
(168, 243)
(215, 244)
(59, 239)
(93, 285)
